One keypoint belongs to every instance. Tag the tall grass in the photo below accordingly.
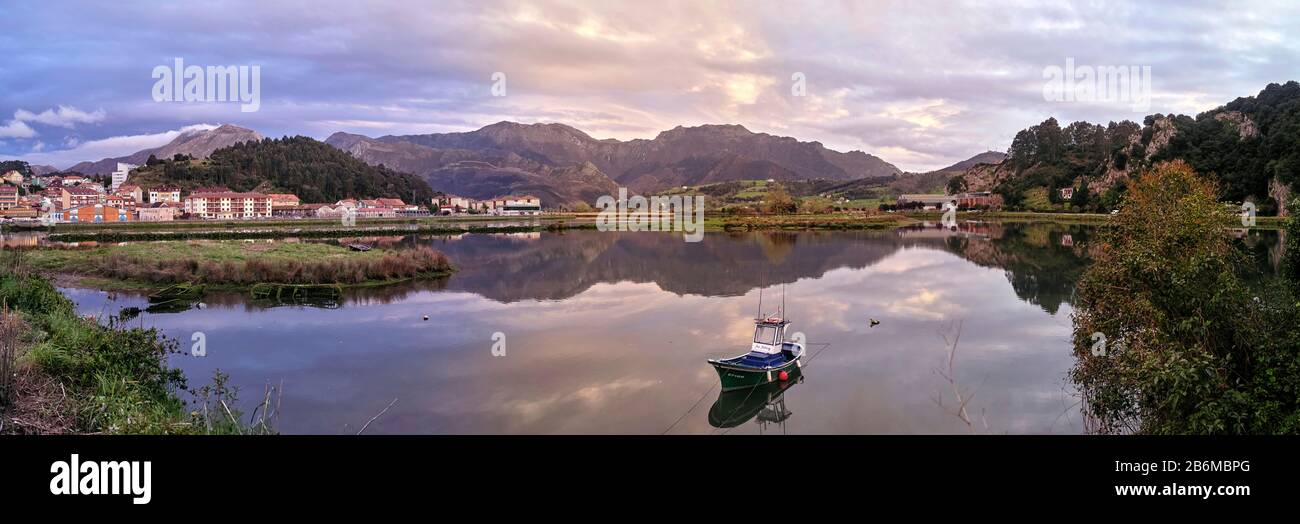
(10, 327)
(251, 269)
(115, 380)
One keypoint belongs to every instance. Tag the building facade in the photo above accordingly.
(92, 213)
(229, 205)
(514, 205)
(119, 176)
(8, 197)
(160, 212)
(284, 199)
(130, 191)
(165, 194)
(77, 196)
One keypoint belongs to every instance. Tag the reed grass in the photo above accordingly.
(241, 263)
(78, 375)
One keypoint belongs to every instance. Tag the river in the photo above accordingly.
(599, 332)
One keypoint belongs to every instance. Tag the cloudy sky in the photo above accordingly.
(920, 84)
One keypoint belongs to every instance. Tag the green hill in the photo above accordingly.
(313, 170)
(1250, 146)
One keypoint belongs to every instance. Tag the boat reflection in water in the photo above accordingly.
(766, 402)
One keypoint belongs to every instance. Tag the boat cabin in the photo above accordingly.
(769, 335)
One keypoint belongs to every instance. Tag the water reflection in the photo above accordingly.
(766, 402)
(607, 332)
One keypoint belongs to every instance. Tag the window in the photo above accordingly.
(766, 335)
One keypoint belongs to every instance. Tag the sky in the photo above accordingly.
(920, 84)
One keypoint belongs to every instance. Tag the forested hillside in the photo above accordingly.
(313, 170)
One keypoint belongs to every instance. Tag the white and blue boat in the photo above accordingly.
(771, 357)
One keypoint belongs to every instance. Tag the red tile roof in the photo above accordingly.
(79, 190)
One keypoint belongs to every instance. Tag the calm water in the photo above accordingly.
(609, 332)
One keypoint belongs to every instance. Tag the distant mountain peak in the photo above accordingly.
(195, 142)
(987, 157)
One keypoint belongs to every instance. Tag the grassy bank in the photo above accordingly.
(237, 263)
(317, 232)
(278, 224)
(284, 223)
(75, 375)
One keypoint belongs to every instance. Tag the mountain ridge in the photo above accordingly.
(196, 143)
(675, 157)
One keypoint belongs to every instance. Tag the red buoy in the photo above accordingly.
(784, 376)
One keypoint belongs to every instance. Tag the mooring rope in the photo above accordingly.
(693, 406)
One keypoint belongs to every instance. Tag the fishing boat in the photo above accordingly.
(771, 357)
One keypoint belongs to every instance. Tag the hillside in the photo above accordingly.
(987, 157)
(1251, 146)
(195, 143)
(314, 171)
(677, 157)
(563, 186)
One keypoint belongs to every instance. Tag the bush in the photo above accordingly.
(1189, 347)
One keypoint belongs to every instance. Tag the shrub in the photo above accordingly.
(1189, 347)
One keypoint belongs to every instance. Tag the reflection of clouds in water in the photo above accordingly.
(628, 357)
(593, 397)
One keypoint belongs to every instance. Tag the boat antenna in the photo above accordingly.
(760, 302)
(782, 301)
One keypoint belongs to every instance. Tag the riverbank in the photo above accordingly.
(71, 374)
(1099, 219)
(280, 223)
(261, 231)
(233, 264)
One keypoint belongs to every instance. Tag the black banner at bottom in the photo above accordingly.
(126, 475)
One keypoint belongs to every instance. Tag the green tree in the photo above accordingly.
(1189, 348)
(1081, 198)
(957, 185)
(778, 200)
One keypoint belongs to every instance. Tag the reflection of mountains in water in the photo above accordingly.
(1042, 261)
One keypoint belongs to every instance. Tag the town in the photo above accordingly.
(75, 198)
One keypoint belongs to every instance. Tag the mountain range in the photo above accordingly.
(1248, 145)
(567, 164)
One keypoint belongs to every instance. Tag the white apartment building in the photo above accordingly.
(228, 205)
(165, 194)
(119, 176)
